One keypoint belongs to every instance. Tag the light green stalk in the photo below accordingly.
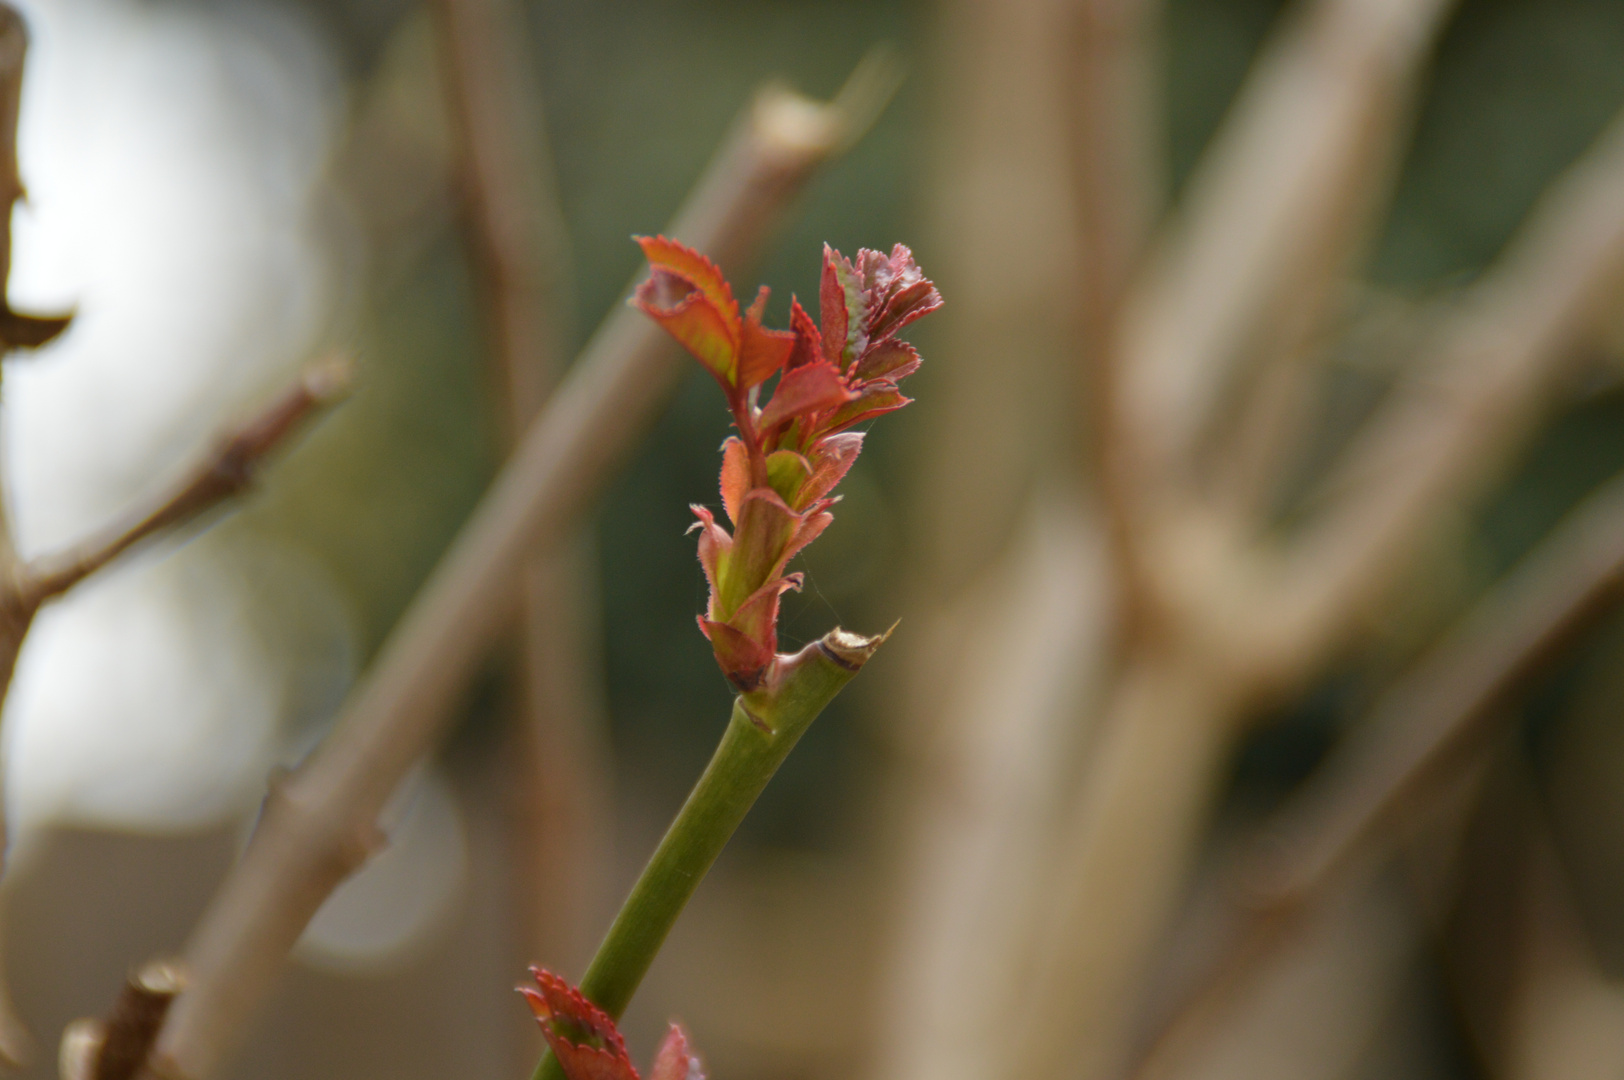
(765, 726)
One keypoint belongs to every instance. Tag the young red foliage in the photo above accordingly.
(778, 472)
(588, 1045)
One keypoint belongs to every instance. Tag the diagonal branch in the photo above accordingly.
(1274, 214)
(1418, 735)
(1298, 158)
(516, 234)
(515, 230)
(1493, 375)
(230, 469)
(1560, 590)
(1115, 189)
(320, 823)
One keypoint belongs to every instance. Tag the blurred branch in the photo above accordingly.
(17, 331)
(1315, 1004)
(25, 586)
(115, 1049)
(515, 230)
(1008, 666)
(1011, 597)
(1415, 740)
(320, 823)
(1123, 853)
(518, 239)
(1277, 209)
(1564, 1014)
(1571, 580)
(1116, 185)
(1496, 369)
(1272, 218)
(228, 471)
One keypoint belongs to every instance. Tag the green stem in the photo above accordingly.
(765, 726)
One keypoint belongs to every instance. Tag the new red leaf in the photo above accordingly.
(741, 658)
(701, 273)
(890, 360)
(831, 460)
(914, 302)
(807, 389)
(715, 551)
(874, 400)
(580, 1034)
(735, 477)
(586, 1042)
(766, 524)
(674, 1060)
(688, 315)
(840, 306)
(808, 339)
(762, 352)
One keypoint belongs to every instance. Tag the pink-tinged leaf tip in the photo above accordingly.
(683, 261)
(581, 1036)
(808, 338)
(762, 352)
(675, 1060)
(809, 388)
(588, 1045)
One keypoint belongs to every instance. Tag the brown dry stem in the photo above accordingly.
(1495, 371)
(1268, 226)
(321, 824)
(517, 238)
(1403, 758)
(1277, 208)
(1429, 719)
(229, 470)
(1240, 627)
(25, 585)
(114, 1049)
(1116, 171)
(1020, 585)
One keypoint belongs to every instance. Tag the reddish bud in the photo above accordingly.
(581, 1035)
(674, 1060)
(588, 1045)
(791, 451)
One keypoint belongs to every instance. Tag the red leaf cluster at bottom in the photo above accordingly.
(588, 1045)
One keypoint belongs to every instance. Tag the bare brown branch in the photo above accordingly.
(228, 471)
(1564, 1017)
(1116, 184)
(332, 802)
(1312, 1011)
(1572, 579)
(135, 1018)
(1014, 592)
(517, 236)
(1276, 210)
(115, 1049)
(1291, 174)
(515, 230)
(1152, 772)
(1494, 374)
(1404, 756)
